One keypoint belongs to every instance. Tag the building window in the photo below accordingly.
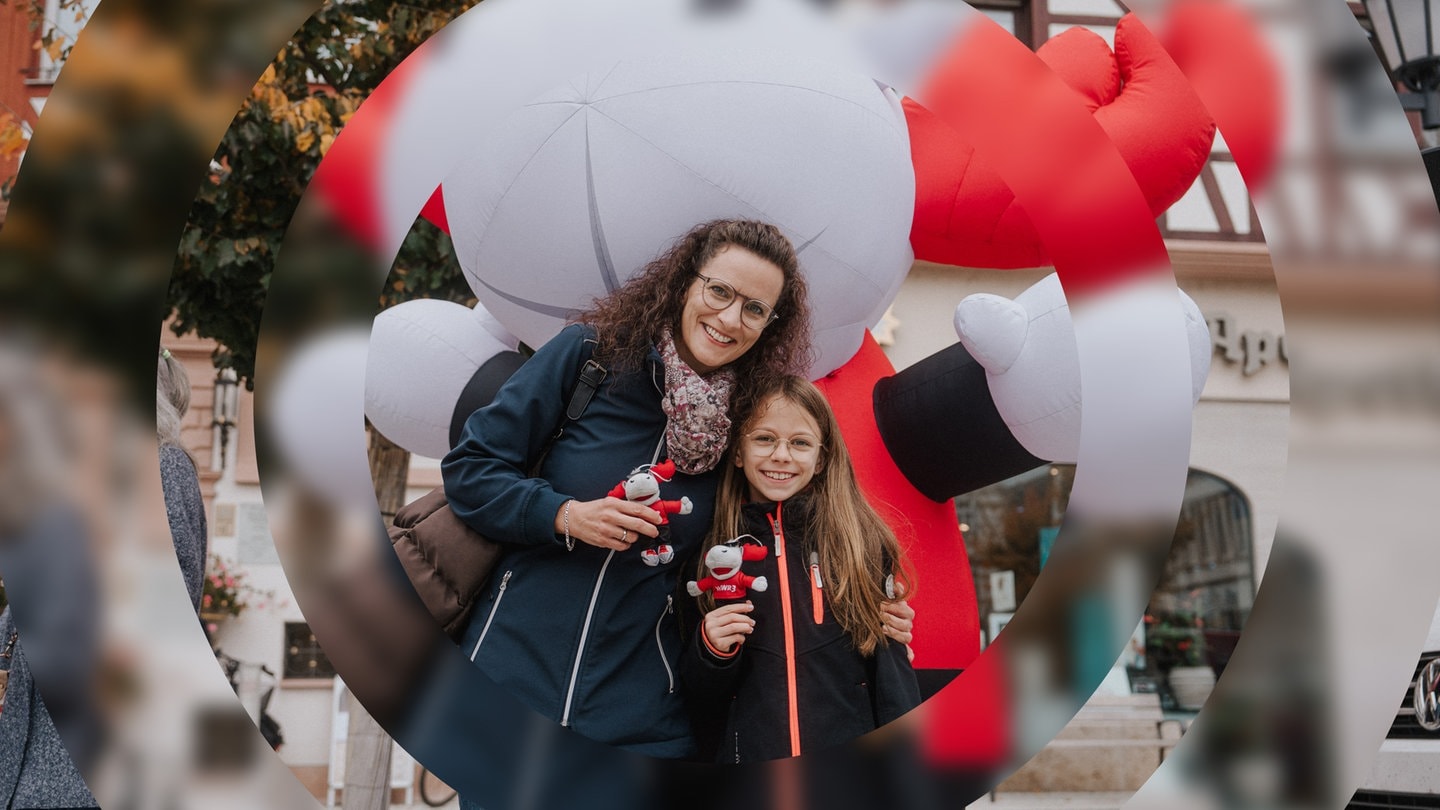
(63, 21)
(1205, 591)
(303, 656)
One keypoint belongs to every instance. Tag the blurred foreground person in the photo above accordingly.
(35, 768)
(51, 587)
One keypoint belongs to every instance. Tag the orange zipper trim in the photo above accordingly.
(775, 526)
(817, 601)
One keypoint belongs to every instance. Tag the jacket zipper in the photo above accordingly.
(595, 596)
(784, 577)
(669, 674)
(495, 608)
(584, 633)
(816, 588)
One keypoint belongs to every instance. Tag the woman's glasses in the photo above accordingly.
(719, 295)
(764, 444)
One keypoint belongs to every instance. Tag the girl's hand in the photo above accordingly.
(727, 626)
(899, 622)
(608, 522)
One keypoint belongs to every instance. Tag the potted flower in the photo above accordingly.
(1175, 645)
(226, 593)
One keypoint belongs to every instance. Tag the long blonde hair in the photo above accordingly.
(857, 549)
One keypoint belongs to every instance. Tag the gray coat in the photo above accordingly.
(35, 768)
(185, 509)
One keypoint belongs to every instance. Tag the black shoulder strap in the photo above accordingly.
(591, 375)
(586, 384)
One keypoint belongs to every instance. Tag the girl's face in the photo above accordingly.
(780, 453)
(710, 338)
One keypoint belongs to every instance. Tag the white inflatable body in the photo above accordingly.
(422, 353)
(589, 182)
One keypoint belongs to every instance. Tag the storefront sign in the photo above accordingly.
(1252, 349)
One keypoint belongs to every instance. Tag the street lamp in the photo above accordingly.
(227, 404)
(1406, 30)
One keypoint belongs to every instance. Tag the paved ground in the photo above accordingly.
(1046, 801)
(1003, 801)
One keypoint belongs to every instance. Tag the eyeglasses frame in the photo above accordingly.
(740, 297)
(819, 447)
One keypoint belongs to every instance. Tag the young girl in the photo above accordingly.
(802, 663)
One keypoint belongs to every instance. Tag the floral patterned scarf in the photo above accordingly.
(698, 409)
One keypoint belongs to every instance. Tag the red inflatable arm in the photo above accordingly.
(947, 620)
(1223, 54)
(966, 215)
(349, 178)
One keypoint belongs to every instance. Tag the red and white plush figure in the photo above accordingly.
(726, 581)
(643, 487)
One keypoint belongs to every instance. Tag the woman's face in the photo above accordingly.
(708, 338)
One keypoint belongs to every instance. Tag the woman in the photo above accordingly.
(184, 506)
(576, 624)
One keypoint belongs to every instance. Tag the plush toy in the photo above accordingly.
(643, 487)
(726, 581)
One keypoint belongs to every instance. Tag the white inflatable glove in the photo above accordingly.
(686, 506)
(759, 585)
(693, 588)
(1027, 347)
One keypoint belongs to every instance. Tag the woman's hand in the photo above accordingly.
(900, 624)
(727, 626)
(608, 522)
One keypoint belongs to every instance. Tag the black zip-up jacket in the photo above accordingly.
(588, 637)
(838, 693)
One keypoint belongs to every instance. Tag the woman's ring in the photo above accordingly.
(624, 533)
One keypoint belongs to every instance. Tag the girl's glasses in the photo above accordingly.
(719, 295)
(764, 444)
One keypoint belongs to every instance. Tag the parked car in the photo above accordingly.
(1406, 772)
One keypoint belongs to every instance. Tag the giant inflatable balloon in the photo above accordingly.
(591, 180)
(411, 403)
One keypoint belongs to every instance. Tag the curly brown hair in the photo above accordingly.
(630, 320)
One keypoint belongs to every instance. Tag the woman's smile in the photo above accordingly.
(715, 335)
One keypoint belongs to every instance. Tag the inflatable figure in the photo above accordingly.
(589, 181)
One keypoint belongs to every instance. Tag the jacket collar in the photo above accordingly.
(797, 507)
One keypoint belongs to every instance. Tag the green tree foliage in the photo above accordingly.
(292, 115)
